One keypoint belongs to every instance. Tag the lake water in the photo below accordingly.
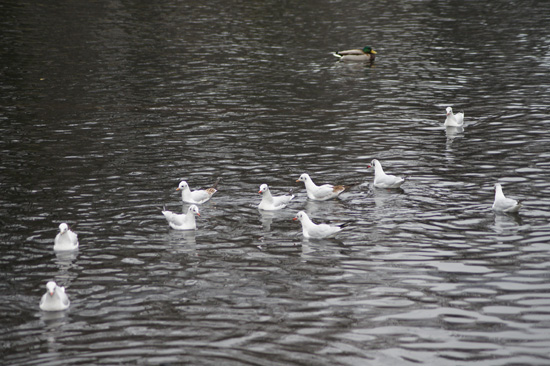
(106, 105)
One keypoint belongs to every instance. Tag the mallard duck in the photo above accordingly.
(366, 54)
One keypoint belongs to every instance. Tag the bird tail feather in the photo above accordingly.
(215, 185)
(346, 224)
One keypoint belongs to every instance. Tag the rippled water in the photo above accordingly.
(107, 105)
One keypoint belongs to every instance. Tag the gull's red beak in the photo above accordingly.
(295, 219)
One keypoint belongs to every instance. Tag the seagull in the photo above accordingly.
(312, 230)
(454, 120)
(66, 239)
(270, 203)
(55, 299)
(182, 221)
(503, 204)
(383, 180)
(323, 192)
(199, 196)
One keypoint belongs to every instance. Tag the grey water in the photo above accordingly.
(106, 105)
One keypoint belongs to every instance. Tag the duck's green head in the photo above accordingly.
(368, 49)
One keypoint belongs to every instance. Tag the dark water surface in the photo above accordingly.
(106, 105)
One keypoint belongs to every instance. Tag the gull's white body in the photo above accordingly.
(503, 204)
(65, 240)
(55, 299)
(316, 231)
(182, 221)
(196, 197)
(271, 203)
(454, 120)
(383, 180)
(320, 193)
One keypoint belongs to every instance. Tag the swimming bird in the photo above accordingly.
(199, 196)
(503, 204)
(383, 180)
(454, 120)
(271, 203)
(317, 231)
(323, 192)
(55, 299)
(182, 221)
(66, 239)
(366, 54)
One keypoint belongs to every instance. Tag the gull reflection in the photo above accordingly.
(452, 132)
(54, 319)
(320, 208)
(324, 248)
(267, 219)
(183, 239)
(506, 222)
(388, 197)
(65, 262)
(54, 323)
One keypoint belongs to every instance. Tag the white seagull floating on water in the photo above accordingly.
(323, 192)
(454, 120)
(383, 180)
(503, 204)
(271, 203)
(55, 299)
(66, 239)
(317, 231)
(199, 196)
(182, 221)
